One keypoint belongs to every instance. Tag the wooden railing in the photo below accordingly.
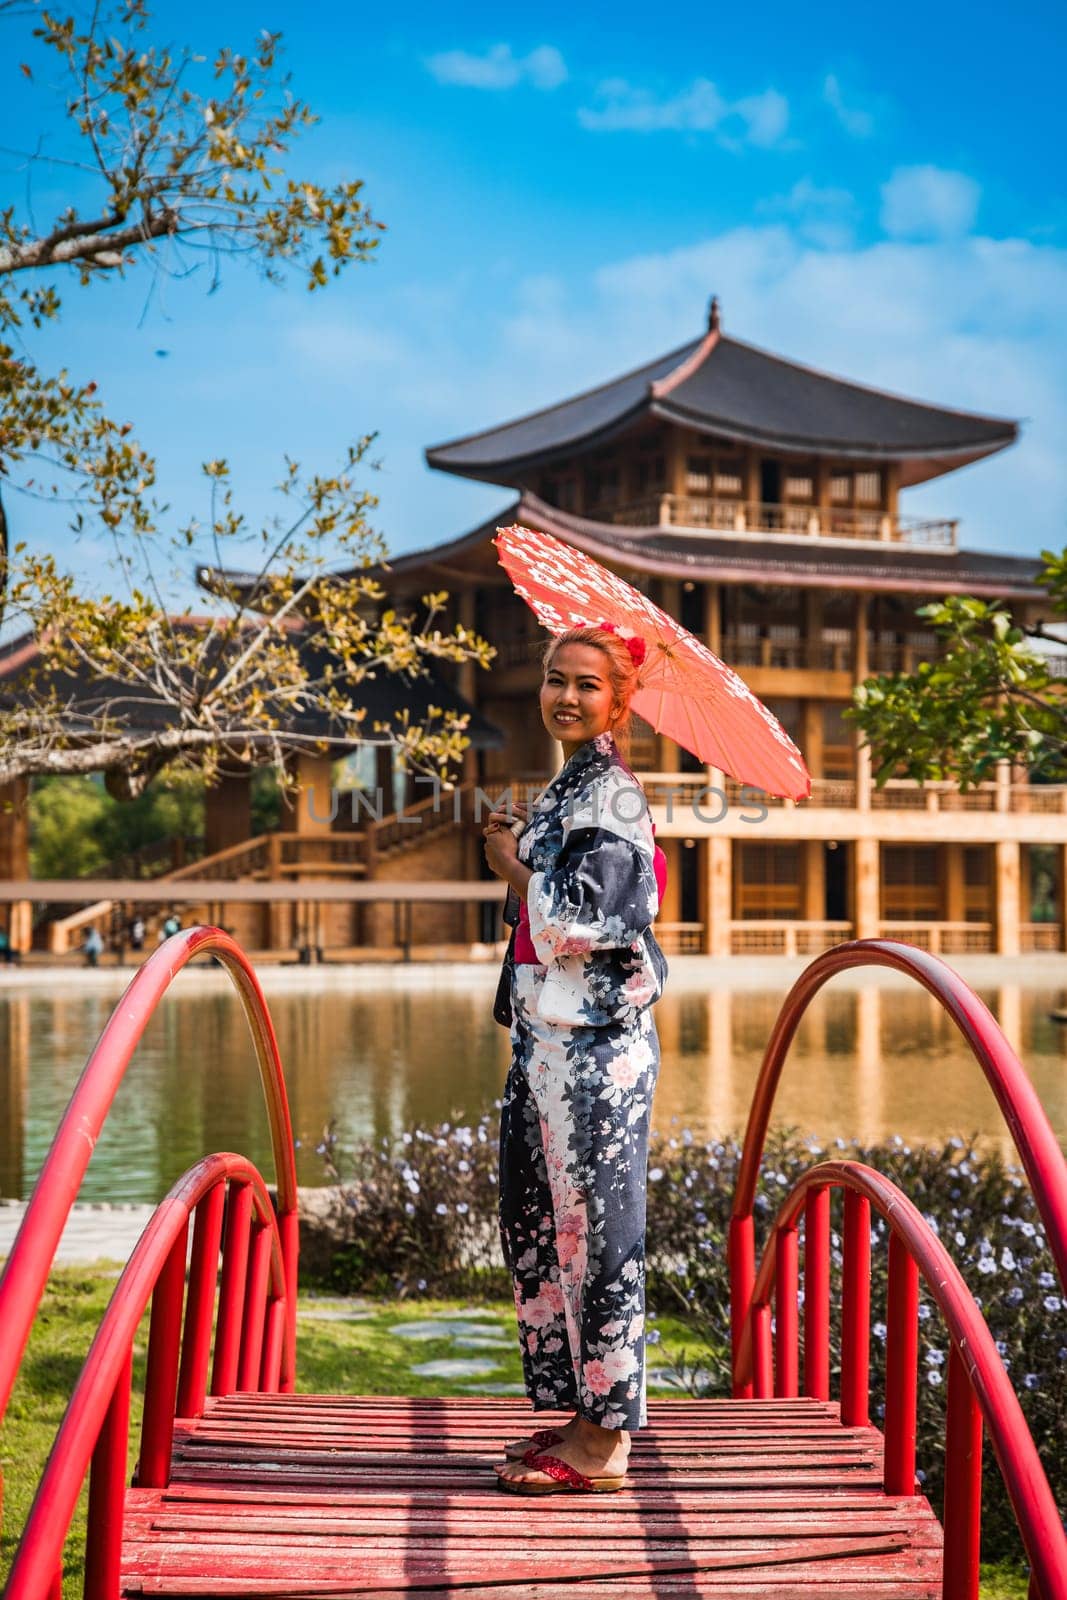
(941, 938)
(679, 938)
(1034, 936)
(701, 512)
(248, 859)
(786, 937)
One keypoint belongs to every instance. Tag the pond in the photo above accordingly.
(381, 1050)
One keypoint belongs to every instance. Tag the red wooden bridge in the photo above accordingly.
(245, 1487)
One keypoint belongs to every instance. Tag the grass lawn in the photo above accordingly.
(343, 1345)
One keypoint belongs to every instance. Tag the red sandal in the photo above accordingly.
(567, 1479)
(536, 1441)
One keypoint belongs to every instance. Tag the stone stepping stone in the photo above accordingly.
(468, 1313)
(454, 1369)
(482, 1342)
(335, 1314)
(443, 1328)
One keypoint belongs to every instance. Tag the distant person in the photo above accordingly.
(173, 924)
(137, 933)
(8, 955)
(92, 947)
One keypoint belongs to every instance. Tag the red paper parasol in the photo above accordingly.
(685, 691)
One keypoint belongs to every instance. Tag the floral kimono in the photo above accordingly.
(574, 1125)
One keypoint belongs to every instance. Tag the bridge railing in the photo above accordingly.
(26, 1273)
(980, 1393)
(248, 1346)
(1030, 1129)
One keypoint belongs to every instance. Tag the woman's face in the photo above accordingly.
(577, 701)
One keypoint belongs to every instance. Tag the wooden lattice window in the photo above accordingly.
(768, 881)
(911, 883)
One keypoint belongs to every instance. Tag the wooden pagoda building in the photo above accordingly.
(760, 502)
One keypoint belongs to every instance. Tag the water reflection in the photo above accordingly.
(867, 1062)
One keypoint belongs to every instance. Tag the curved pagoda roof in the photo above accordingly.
(727, 389)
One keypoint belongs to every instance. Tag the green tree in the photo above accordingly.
(77, 828)
(990, 695)
(66, 826)
(187, 159)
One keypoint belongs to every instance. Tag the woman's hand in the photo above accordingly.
(507, 819)
(501, 850)
(502, 847)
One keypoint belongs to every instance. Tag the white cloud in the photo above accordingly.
(968, 322)
(765, 116)
(854, 119)
(622, 107)
(822, 216)
(500, 68)
(929, 203)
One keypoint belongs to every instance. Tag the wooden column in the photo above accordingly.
(15, 858)
(752, 485)
(813, 881)
(860, 671)
(1006, 896)
(713, 618)
(228, 811)
(891, 500)
(312, 809)
(383, 779)
(866, 888)
(813, 613)
(676, 450)
(671, 908)
(953, 884)
(668, 755)
(1061, 894)
(717, 894)
(811, 727)
(14, 1092)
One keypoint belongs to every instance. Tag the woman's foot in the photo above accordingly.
(593, 1451)
(540, 1439)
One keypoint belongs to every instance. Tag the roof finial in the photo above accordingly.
(713, 315)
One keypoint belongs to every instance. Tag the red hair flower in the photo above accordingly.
(634, 644)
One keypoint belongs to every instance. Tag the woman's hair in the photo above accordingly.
(623, 670)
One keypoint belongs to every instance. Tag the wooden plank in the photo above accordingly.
(338, 1569)
(334, 1495)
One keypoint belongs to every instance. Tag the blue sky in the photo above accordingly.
(877, 193)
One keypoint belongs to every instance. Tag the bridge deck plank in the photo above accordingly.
(303, 1495)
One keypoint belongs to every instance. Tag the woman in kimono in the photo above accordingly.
(580, 976)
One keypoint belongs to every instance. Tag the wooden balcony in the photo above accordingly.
(693, 514)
